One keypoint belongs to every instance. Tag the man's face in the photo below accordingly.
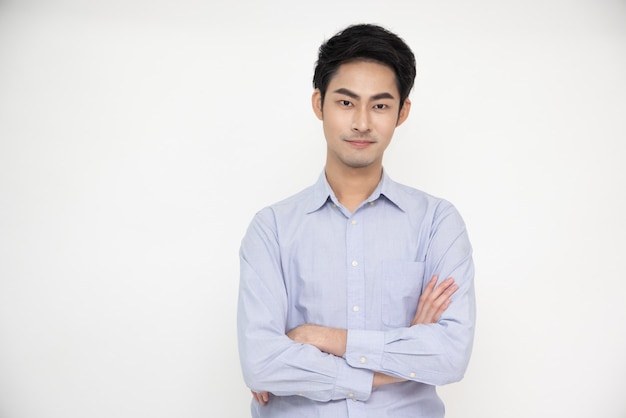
(359, 114)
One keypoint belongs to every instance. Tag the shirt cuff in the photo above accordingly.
(355, 384)
(364, 349)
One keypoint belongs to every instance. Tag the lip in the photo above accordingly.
(359, 143)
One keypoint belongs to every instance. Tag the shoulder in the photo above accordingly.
(267, 223)
(294, 205)
(431, 208)
(410, 198)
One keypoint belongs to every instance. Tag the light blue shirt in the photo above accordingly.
(307, 259)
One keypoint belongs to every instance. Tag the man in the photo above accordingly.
(341, 310)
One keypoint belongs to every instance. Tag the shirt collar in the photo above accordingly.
(388, 188)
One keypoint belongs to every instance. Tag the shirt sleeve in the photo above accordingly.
(435, 354)
(271, 361)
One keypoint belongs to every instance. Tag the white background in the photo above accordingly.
(138, 138)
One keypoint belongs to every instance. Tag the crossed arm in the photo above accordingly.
(432, 303)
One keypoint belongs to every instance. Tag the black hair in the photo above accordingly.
(366, 42)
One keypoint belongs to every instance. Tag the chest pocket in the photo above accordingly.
(401, 289)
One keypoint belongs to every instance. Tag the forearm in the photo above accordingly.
(305, 371)
(333, 341)
(435, 354)
(433, 302)
(435, 349)
(381, 379)
(272, 362)
(327, 339)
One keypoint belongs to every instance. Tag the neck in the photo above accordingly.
(353, 185)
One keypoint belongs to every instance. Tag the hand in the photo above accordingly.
(434, 301)
(261, 397)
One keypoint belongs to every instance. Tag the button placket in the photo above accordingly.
(356, 274)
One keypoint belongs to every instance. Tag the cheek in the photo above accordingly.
(333, 122)
(386, 126)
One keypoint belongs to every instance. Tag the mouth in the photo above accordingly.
(360, 143)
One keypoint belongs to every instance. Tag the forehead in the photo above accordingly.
(366, 78)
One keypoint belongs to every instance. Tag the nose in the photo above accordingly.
(361, 121)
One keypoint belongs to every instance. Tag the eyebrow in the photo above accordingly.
(353, 95)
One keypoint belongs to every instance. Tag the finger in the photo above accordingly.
(428, 290)
(432, 293)
(443, 286)
(430, 286)
(452, 289)
(441, 310)
(436, 303)
(442, 291)
(434, 300)
(422, 301)
(260, 397)
(432, 282)
(439, 306)
(437, 294)
(445, 289)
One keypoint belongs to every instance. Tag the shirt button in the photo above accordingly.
(350, 395)
(355, 308)
(412, 374)
(371, 203)
(355, 263)
(354, 222)
(363, 360)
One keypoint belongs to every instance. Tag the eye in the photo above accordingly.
(345, 103)
(380, 106)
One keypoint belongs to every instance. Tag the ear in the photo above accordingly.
(404, 112)
(316, 102)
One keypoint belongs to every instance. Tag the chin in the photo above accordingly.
(359, 164)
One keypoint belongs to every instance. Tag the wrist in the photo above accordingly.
(381, 379)
(337, 342)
